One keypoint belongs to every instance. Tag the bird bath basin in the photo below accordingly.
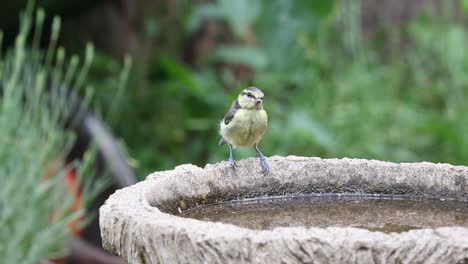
(307, 210)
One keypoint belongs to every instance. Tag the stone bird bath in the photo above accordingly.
(141, 223)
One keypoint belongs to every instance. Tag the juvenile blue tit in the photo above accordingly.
(244, 124)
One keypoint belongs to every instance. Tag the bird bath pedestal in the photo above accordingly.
(143, 223)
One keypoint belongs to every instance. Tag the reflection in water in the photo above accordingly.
(389, 214)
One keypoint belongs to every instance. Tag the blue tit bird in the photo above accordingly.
(244, 124)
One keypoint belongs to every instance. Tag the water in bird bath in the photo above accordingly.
(385, 214)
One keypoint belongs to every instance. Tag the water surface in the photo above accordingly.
(386, 214)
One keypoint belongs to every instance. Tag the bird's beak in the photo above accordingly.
(259, 101)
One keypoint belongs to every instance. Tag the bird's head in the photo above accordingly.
(250, 98)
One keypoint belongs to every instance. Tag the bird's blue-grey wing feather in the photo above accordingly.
(231, 112)
(228, 117)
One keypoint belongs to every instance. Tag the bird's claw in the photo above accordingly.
(266, 168)
(233, 163)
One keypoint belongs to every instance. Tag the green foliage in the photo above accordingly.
(250, 57)
(329, 92)
(238, 14)
(174, 119)
(34, 202)
(409, 108)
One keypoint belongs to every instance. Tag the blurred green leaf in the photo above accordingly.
(303, 126)
(203, 12)
(239, 14)
(322, 8)
(464, 4)
(251, 57)
(151, 28)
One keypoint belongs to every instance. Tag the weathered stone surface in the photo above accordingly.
(136, 222)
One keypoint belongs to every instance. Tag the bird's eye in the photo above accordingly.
(250, 95)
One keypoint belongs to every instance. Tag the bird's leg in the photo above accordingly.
(263, 161)
(231, 157)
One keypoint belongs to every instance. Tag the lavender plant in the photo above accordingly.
(37, 89)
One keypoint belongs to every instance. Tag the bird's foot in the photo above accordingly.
(233, 163)
(231, 157)
(266, 168)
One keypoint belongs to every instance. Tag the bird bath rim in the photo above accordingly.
(135, 223)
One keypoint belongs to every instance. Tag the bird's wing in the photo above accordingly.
(232, 111)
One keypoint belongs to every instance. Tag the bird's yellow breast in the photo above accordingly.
(246, 128)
